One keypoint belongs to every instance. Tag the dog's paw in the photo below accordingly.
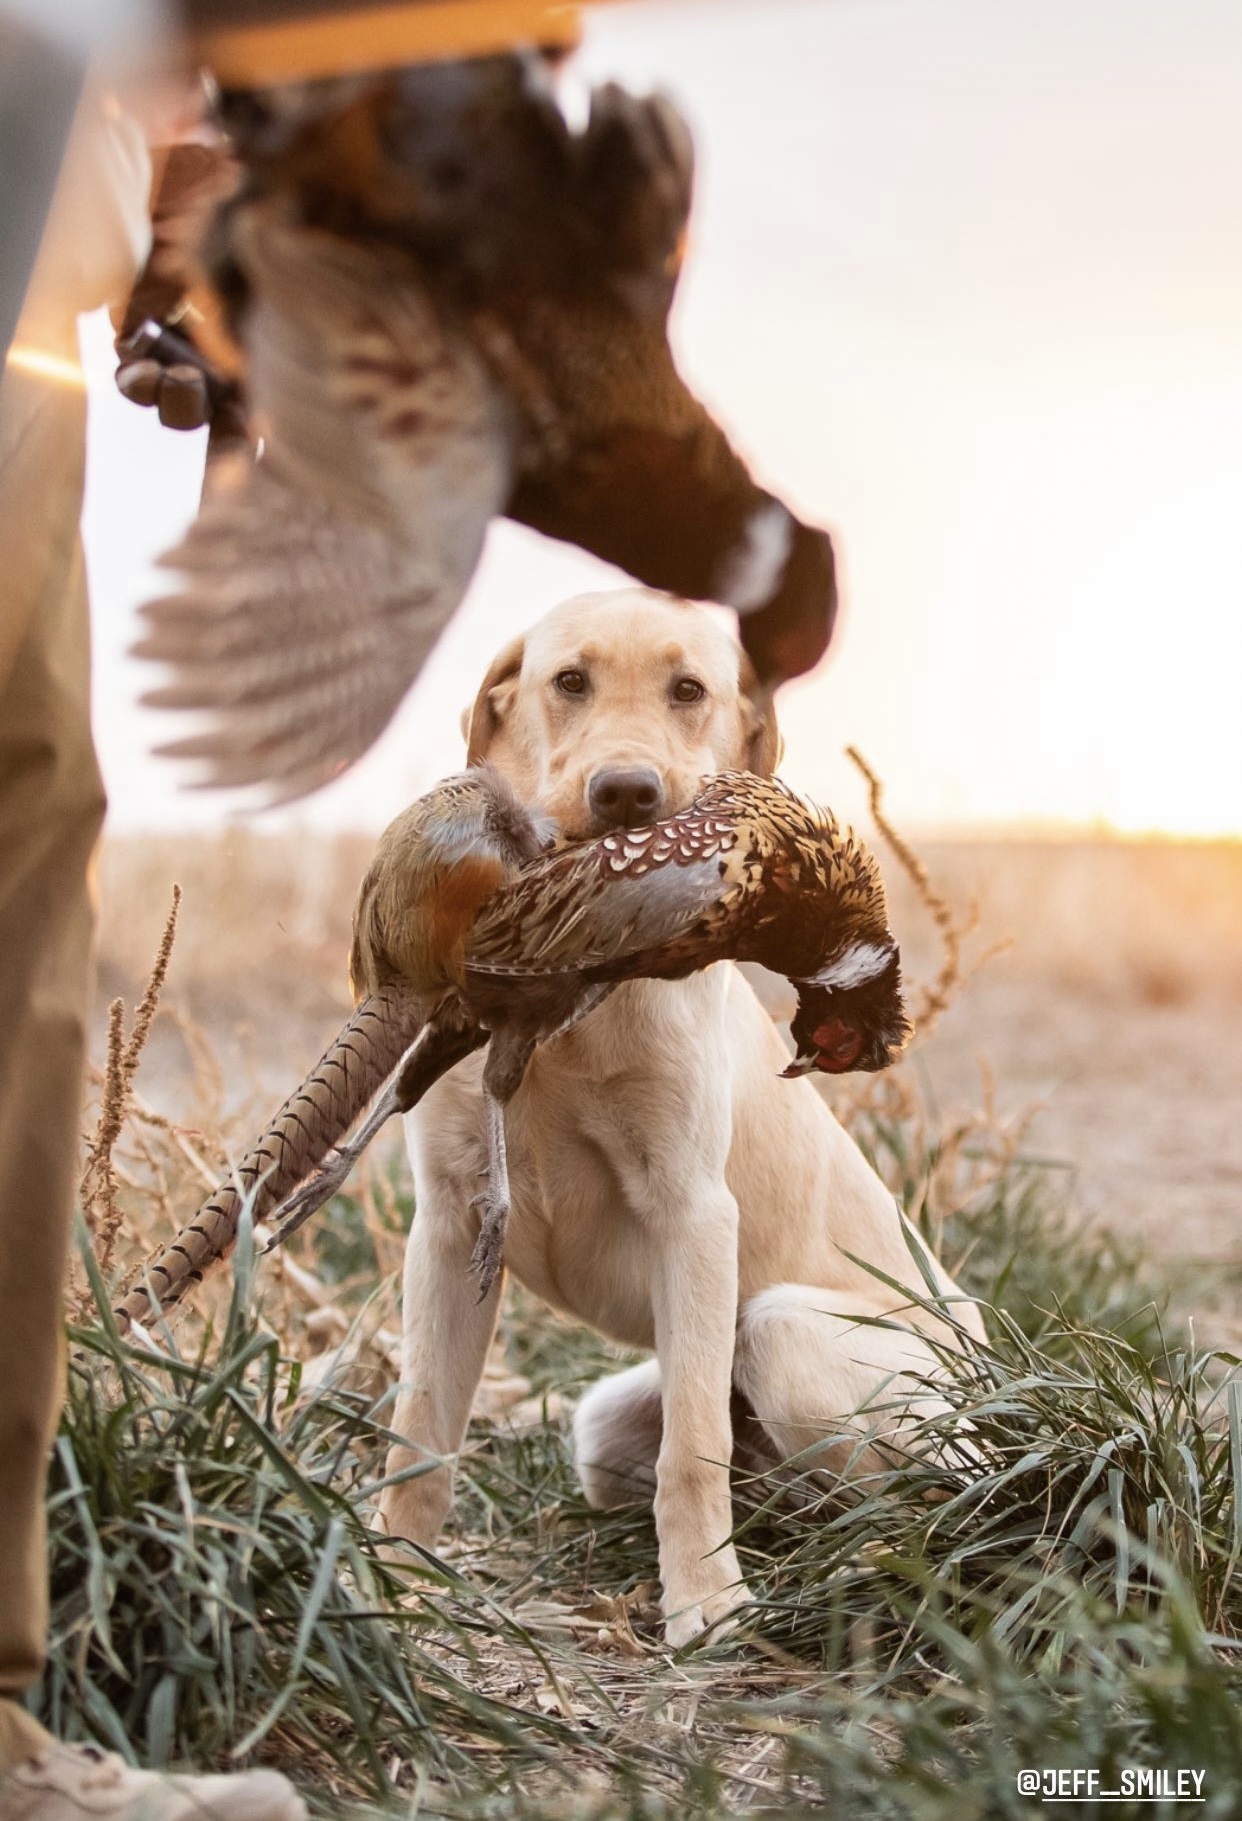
(710, 1616)
(413, 1575)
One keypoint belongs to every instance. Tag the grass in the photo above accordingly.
(1058, 1587)
(218, 1596)
(1054, 1583)
(1005, 1222)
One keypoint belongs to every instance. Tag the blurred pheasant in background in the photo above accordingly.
(469, 930)
(316, 580)
(448, 305)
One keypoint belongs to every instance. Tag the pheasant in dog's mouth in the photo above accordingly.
(472, 929)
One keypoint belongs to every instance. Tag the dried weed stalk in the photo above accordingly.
(98, 1185)
(939, 995)
(149, 1003)
(939, 1162)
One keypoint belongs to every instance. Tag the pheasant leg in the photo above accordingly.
(507, 1057)
(493, 1202)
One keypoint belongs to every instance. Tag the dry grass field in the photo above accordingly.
(1110, 1018)
(1066, 1594)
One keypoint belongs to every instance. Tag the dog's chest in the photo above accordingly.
(621, 1087)
(600, 1145)
(580, 1167)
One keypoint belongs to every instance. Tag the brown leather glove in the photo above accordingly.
(159, 361)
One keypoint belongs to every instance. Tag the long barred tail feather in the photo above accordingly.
(311, 1121)
(448, 1037)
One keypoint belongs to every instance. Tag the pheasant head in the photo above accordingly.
(851, 1015)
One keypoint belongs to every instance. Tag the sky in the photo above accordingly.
(965, 285)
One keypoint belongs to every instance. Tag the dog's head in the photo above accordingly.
(613, 708)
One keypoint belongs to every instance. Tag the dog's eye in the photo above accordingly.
(571, 682)
(688, 689)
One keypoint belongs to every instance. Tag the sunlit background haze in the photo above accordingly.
(965, 284)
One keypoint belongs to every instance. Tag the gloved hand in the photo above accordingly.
(159, 363)
(178, 391)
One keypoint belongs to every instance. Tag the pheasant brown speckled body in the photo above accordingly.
(434, 866)
(748, 872)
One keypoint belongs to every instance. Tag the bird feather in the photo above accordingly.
(317, 577)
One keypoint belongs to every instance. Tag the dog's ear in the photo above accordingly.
(481, 720)
(762, 743)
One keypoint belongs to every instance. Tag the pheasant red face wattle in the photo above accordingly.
(838, 1046)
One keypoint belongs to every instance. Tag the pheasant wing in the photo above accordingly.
(659, 901)
(318, 577)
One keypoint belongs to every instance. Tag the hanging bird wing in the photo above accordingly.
(317, 578)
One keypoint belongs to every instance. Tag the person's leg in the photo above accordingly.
(51, 807)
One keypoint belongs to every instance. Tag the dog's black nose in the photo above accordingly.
(625, 798)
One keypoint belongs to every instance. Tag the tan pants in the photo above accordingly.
(51, 807)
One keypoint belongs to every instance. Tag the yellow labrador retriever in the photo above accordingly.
(667, 1186)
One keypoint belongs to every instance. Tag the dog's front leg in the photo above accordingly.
(694, 1297)
(446, 1335)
